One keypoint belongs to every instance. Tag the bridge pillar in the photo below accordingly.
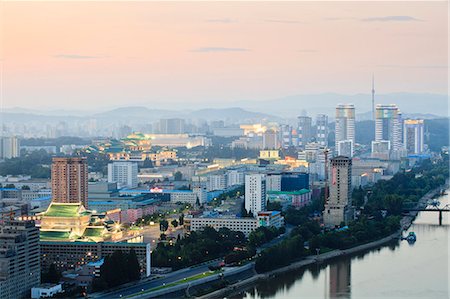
(440, 217)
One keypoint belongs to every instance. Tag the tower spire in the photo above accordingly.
(373, 97)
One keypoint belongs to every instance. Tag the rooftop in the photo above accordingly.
(63, 210)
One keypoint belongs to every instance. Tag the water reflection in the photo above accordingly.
(397, 270)
(340, 274)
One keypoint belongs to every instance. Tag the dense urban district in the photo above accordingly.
(184, 208)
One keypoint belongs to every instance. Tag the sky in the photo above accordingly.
(88, 55)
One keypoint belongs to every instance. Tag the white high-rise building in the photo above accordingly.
(322, 129)
(255, 193)
(387, 125)
(304, 130)
(338, 207)
(345, 124)
(9, 147)
(124, 173)
(413, 135)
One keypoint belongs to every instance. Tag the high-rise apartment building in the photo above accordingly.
(322, 129)
(70, 180)
(345, 124)
(9, 147)
(387, 125)
(286, 136)
(270, 139)
(216, 182)
(413, 136)
(304, 130)
(124, 173)
(255, 193)
(338, 207)
(172, 126)
(19, 259)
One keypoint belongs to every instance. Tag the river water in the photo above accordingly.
(398, 270)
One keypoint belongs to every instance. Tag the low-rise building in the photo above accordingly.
(46, 290)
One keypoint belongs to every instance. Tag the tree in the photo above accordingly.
(133, 269)
(163, 225)
(52, 275)
(181, 219)
(178, 176)
(174, 223)
(10, 186)
(25, 187)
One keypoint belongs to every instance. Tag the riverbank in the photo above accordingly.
(405, 223)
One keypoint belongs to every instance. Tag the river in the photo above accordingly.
(399, 270)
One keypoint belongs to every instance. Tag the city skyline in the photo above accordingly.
(218, 53)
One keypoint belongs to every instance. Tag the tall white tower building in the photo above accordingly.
(255, 193)
(413, 135)
(345, 126)
(387, 125)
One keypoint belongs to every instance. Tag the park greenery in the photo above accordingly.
(197, 247)
(117, 269)
(36, 164)
(263, 235)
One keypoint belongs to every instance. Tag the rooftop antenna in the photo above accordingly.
(373, 97)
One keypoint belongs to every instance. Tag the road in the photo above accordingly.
(145, 285)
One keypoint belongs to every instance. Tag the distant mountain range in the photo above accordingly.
(136, 114)
(424, 105)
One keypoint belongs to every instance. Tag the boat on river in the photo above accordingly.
(411, 237)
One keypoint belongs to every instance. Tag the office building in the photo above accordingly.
(387, 126)
(304, 130)
(19, 259)
(294, 181)
(245, 225)
(9, 147)
(255, 193)
(70, 180)
(345, 124)
(124, 173)
(322, 129)
(413, 136)
(338, 207)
